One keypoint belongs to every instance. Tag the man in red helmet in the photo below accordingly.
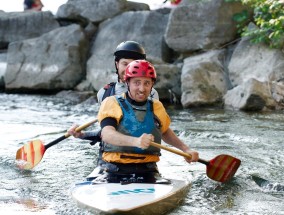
(129, 123)
(125, 53)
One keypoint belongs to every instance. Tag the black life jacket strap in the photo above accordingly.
(109, 90)
(122, 101)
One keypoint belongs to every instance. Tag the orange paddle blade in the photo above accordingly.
(222, 168)
(30, 154)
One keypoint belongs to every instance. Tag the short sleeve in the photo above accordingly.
(110, 108)
(160, 112)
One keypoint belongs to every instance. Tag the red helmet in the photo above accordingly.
(140, 68)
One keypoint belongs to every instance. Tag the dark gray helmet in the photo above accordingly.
(129, 50)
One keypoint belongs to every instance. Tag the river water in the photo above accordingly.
(255, 138)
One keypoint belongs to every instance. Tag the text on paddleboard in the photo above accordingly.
(126, 192)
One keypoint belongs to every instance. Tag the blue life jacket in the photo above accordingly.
(132, 126)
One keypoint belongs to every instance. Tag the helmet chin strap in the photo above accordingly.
(128, 90)
(118, 78)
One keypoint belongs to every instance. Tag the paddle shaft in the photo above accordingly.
(222, 168)
(178, 152)
(65, 136)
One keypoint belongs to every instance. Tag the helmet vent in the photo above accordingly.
(140, 68)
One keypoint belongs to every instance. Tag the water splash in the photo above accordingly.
(23, 164)
(267, 185)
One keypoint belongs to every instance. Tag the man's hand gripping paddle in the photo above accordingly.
(29, 155)
(221, 168)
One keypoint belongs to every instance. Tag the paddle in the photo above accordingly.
(29, 155)
(221, 168)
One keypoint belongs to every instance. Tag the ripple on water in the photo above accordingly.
(255, 138)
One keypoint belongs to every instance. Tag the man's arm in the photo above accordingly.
(171, 138)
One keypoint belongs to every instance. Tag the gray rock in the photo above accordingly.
(255, 61)
(94, 10)
(52, 62)
(145, 27)
(252, 95)
(74, 96)
(203, 80)
(168, 82)
(202, 26)
(17, 26)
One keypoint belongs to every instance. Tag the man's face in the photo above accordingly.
(140, 88)
(121, 66)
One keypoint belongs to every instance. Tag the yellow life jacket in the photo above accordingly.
(121, 107)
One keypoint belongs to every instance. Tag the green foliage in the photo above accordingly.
(268, 17)
(242, 20)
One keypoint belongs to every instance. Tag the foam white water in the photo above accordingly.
(255, 138)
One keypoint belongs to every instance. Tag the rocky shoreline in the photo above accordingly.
(199, 57)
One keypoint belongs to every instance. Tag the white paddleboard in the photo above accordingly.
(135, 198)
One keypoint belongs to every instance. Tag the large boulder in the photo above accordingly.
(255, 61)
(168, 82)
(251, 95)
(94, 10)
(52, 62)
(17, 26)
(202, 25)
(145, 27)
(203, 79)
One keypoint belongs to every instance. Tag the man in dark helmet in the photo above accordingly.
(125, 53)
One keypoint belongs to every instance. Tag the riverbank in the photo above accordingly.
(210, 66)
